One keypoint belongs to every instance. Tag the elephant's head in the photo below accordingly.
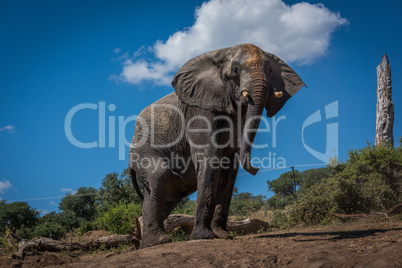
(243, 74)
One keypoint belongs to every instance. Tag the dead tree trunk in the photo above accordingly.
(47, 244)
(385, 107)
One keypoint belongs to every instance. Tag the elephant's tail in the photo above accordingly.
(135, 183)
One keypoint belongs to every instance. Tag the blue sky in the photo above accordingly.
(55, 55)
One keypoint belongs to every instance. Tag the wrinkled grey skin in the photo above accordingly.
(209, 86)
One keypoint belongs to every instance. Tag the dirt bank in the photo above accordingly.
(343, 245)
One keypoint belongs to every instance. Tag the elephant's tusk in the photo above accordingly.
(245, 94)
(278, 94)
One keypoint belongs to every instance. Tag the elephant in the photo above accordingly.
(181, 140)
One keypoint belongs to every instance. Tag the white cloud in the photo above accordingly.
(4, 186)
(117, 50)
(68, 190)
(298, 33)
(52, 203)
(9, 129)
(44, 211)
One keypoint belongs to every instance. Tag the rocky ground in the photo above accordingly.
(358, 244)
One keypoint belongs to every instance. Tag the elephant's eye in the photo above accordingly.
(269, 72)
(235, 70)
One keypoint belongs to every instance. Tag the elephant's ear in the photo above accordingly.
(199, 83)
(284, 79)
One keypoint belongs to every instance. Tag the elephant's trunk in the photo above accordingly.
(258, 95)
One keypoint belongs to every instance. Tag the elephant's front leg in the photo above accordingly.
(206, 201)
(225, 191)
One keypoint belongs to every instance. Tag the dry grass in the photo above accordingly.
(262, 214)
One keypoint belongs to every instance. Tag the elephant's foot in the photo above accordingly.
(202, 233)
(221, 233)
(155, 239)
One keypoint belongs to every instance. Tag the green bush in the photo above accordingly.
(26, 232)
(120, 218)
(16, 215)
(370, 180)
(243, 204)
(280, 219)
(117, 188)
(186, 206)
(66, 218)
(284, 187)
(314, 206)
(82, 203)
(51, 230)
(279, 201)
(5, 247)
(179, 235)
(87, 226)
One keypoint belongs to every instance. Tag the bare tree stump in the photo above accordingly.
(385, 106)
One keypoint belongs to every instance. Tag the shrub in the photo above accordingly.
(5, 247)
(66, 218)
(370, 180)
(314, 206)
(279, 201)
(179, 235)
(17, 215)
(284, 187)
(186, 206)
(82, 203)
(87, 226)
(280, 219)
(26, 232)
(51, 230)
(243, 204)
(120, 218)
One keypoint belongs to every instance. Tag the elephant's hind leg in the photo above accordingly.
(153, 210)
(153, 229)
